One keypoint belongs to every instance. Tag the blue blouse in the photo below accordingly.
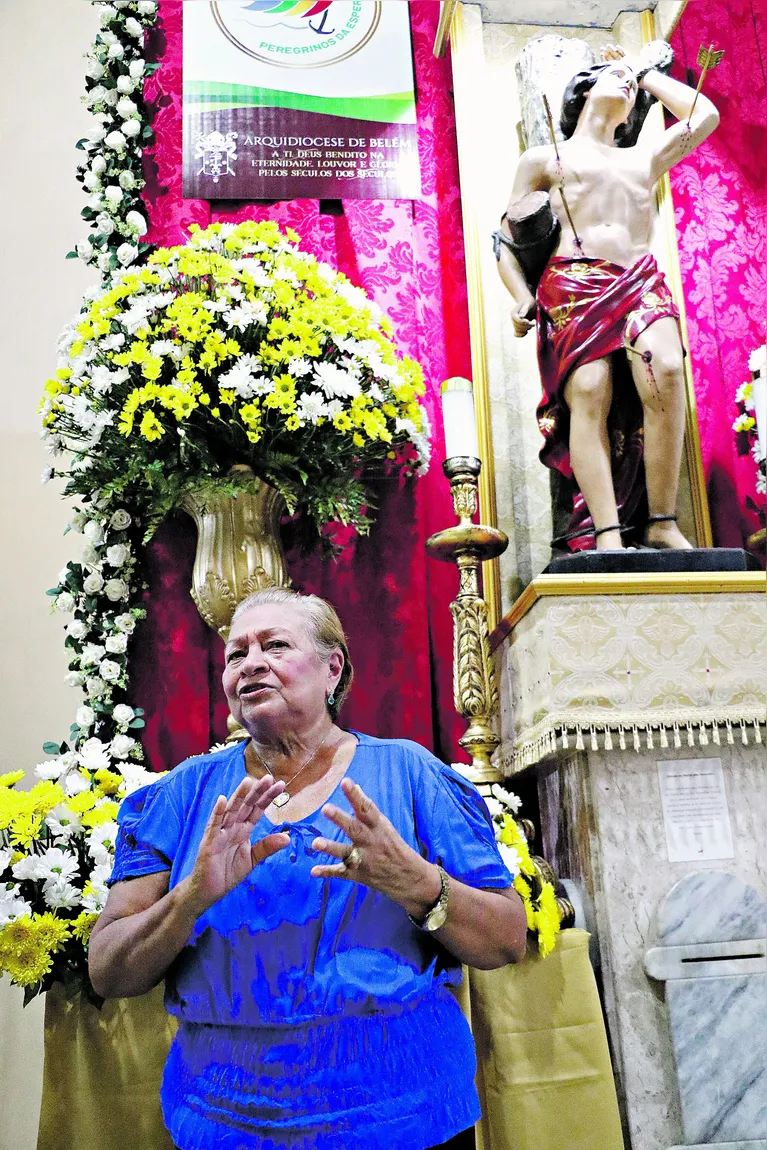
(314, 1014)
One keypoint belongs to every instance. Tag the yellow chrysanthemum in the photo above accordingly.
(83, 925)
(51, 931)
(150, 427)
(45, 796)
(10, 778)
(107, 781)
(25, 829)
(105, 812)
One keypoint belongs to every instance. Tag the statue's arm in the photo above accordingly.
(680, 139)
(530, 177)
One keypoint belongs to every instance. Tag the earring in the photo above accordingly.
(331, 699)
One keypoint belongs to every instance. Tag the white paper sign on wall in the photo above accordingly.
(695, 811)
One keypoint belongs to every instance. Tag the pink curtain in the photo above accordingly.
(720, 198)
(391, 598)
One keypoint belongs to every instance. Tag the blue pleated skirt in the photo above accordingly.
(400, 1078)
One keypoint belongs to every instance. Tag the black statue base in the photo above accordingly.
(643, 562)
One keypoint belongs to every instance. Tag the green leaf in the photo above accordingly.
(71, 256)
(53, 591)
(136, 724)
(50, 748)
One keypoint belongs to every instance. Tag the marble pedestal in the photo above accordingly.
(597, 684)
(710, 954)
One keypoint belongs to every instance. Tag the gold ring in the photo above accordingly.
(354, 857)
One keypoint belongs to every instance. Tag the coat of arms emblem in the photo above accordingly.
(217, 152)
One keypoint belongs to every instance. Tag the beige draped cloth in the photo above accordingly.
(544, 1070)
(544, 1074)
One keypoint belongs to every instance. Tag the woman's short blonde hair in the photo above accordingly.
(323, 626)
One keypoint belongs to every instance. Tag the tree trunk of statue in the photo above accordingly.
(545, 67)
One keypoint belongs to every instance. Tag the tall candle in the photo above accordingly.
(459, 419)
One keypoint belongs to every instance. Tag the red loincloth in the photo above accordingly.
(589, 309)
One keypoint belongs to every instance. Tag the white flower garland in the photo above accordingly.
(57, 841)
(111, 169)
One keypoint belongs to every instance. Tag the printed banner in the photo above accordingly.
(285, 99)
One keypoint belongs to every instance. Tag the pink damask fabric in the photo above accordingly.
(391, 598)
(720, 199)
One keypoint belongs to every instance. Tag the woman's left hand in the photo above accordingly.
(381, 859)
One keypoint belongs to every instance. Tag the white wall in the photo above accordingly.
(41, 117)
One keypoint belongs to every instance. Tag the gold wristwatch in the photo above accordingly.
(435, 918)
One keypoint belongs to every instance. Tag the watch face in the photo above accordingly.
(437, 918)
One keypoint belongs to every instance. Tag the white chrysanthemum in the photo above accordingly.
(312, 407)
(510, 858)
(6, 854)
(246, 315)
(511, 801)
(335, 381)
(96, 897)
(63, 822)
(27, 869)
(135, 776)
(495, 808)
(75, 784)
(100, 843)
(12, 906)
(300, 367)
(94, 755)
(60, 894)
(55, 863)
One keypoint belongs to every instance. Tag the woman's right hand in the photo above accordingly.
(226, 856)
(523, 316)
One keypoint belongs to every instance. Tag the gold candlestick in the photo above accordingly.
(468, 545)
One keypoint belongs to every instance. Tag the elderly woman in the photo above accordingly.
(308, 898)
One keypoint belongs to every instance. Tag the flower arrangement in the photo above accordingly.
(239, 347)
(537, 893)
(749, 396)
(111, 166)
(56, 847)
(236, 346)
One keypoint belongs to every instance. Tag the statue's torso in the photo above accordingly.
(609, 194)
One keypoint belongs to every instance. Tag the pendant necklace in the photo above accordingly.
(284, 797)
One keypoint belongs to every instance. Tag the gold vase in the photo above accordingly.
(239, 550)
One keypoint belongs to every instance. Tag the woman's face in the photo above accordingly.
(273, 677)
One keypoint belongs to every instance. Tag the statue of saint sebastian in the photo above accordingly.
(609, 347)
